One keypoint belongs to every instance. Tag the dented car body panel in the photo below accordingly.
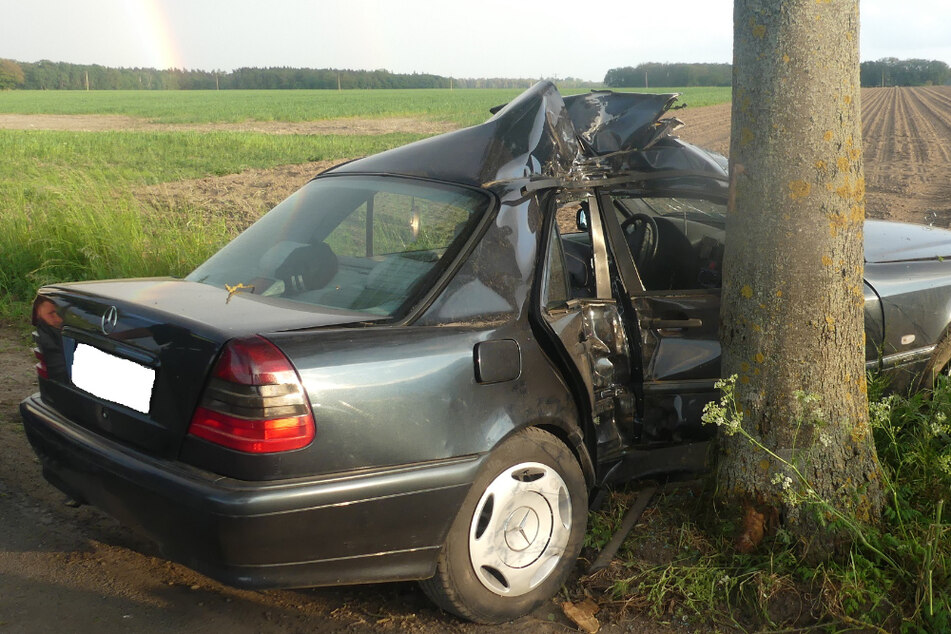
(453, 306)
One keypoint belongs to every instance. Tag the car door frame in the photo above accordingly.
(678, 337)
(595, 347)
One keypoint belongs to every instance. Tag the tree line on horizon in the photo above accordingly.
(47, 75)
(888, 71)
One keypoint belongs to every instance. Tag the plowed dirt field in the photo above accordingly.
(906, 134)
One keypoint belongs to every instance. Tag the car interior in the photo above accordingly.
(677, 243)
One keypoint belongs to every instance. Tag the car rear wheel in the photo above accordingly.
(518, 533)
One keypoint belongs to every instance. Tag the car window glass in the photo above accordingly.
(355, 243)
(557, 291)
(349, 238)
(405, 223)
(676, 242)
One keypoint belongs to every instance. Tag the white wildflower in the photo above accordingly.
(724, 413)
(880, 412)
(783, 481)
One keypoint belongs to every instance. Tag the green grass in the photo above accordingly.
(85, 229)
(695, 96)
(135, 158)
(463, 107)
(897, 578)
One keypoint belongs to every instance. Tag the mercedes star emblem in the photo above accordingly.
(109, 320)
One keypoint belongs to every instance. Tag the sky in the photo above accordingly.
(458, 38)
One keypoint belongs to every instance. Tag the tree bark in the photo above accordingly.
(792, 315)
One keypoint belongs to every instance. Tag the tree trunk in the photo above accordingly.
(792, 315)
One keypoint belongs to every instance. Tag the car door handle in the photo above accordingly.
(672, 324)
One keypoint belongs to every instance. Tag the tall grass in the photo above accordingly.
(84, 229)
(463, 107)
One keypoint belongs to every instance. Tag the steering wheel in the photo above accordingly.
(640, 231)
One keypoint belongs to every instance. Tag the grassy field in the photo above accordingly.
(463, 107)
(136, 158)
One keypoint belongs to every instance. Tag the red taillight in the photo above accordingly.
(254, 361)
(40, 366)
(254, 401)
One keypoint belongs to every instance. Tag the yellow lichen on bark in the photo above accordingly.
(746, 136)
(848, 191)
(836, 223)
(799, 189)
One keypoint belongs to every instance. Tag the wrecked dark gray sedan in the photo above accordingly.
(421, 364)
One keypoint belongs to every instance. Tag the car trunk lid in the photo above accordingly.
(159, 335)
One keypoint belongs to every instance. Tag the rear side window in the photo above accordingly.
(557, 291)
(368, 244)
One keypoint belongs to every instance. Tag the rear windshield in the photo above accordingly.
(368, 244)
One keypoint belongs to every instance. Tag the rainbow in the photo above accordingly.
(154, 34)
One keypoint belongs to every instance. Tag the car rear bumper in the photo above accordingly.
(357, 527)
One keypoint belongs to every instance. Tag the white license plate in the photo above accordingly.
(111, 378)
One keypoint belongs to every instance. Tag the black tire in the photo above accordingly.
(521, 563)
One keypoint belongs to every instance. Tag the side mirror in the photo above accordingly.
(581, 220)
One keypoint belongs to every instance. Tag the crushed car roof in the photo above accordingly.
(541, 135)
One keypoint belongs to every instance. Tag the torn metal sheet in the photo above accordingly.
(542, 135)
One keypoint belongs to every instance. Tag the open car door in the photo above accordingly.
(668, 251)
